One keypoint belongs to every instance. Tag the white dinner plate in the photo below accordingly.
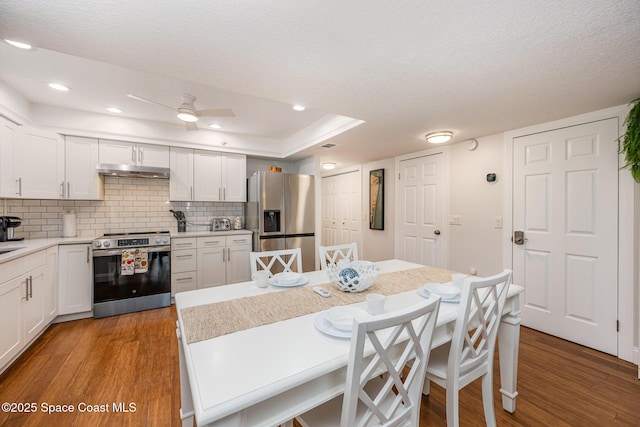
(424, 292)
(303, 280)
(322, 324)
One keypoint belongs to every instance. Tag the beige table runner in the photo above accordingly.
(207, 321)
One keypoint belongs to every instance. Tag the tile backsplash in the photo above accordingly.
(129, 205)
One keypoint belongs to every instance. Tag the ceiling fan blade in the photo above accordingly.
(139, 98)
(216, 112)
(191, 125)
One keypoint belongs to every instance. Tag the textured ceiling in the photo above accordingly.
(404, 67)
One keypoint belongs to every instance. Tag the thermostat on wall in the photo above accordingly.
(492, 177)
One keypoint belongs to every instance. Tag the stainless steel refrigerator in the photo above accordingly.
(280, 210)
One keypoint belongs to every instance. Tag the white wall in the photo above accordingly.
(476, 243)
(377, 245)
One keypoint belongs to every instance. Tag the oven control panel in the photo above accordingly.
(116, 242)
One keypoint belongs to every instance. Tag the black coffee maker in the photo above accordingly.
(8, 225)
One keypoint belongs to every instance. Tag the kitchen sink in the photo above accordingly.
(4, 251)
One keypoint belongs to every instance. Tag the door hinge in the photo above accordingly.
(398, 175)
(617, 326)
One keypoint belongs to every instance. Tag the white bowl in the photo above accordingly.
(353, 277)
(341, 318)
(286, 278)
(445, 290)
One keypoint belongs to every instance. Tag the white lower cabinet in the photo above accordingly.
(223, 260)
(75, 278)
(23, 303)
(203, 262)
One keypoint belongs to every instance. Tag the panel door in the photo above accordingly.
(349, 207)
(565, 200)
(329, 211)
(34, 308)
(235, 178)
(211, 267)
(207, 182)
(117, 152)
(181, 175)
(39, 160)
(82, 180)
(8, 184)
(51, 285)
(153, 155)
(75, 279)
(238, 268)
(11, 337)
(421, 230)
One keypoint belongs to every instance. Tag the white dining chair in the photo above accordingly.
(376, 390)
(276, 261)
(333, 254)
(469, 355)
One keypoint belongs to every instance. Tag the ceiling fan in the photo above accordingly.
(187, 111)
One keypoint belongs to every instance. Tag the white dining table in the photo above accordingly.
(267, 375)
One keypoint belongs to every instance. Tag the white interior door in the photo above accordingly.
(421, 224)
(341, 209)
(565, 198)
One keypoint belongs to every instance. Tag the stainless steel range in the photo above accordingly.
(131, 272)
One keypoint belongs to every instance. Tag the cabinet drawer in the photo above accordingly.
(20, 266)
(183, 260)
(243, 239)
(183, 243)
(181, 282)
(211, 242)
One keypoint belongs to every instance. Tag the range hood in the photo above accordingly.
(134, 171)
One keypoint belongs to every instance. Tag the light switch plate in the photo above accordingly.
(497, 222)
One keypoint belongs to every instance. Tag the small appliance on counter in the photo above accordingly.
(182, 221)
(69, 226)
(7, 226)
(220, 224)
(237, 223)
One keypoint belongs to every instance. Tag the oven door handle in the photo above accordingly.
(110, 252)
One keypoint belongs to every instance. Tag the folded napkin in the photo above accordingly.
(127, 264)
(141, 264)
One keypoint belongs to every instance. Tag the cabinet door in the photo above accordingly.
(11, 337)
(39, 163)
(181, 176)
(82, 180)
(153, 155)
(51, 285)
(235, 178)
(117, 152)
(8, 184)
(34, 317)
(75, 278)
(211, 267)
(238, 268)
(207, 181)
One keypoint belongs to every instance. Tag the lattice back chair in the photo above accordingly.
(469, 355)
(276, 261)
(377, 392)
(333, 254)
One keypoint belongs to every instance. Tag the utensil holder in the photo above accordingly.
(182, 226)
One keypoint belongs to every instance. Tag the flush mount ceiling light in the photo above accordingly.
(187, 115)
(299, 107)
(328, 165)
(19, 45)
(113, 110)
(439, 137)
(58, 86)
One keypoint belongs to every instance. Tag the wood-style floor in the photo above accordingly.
(134, 359)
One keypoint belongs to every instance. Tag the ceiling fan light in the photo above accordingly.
(19, 45)
(439, 137)
(299, 107)
(187, 115)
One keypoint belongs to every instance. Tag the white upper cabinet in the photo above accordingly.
(8, 187)
(181, 175)
(38, 164)
(129, 153)
(198, 175)
(82, 181)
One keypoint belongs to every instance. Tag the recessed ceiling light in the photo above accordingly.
(58, 86)
(299, 107)
(439, 137)
(215, 126)
(19, 45)
(113, 110)
(328, 165)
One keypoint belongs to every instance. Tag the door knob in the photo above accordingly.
(518, 237)
(437, 232)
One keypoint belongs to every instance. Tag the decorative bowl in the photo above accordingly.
(341, 318)
(353, 277)
(286, 278)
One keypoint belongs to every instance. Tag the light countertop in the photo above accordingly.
(176, 235)
(29, 246)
